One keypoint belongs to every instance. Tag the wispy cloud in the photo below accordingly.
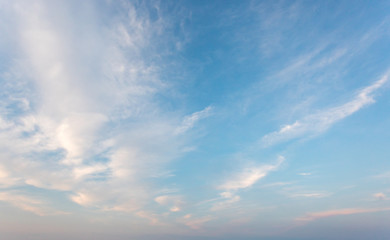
(383, 175)
(347, 211)
(173, 202)
(241, 180)
(276, 184)
(29, 204)
(93, 115)
(310, 195)
(380, 196)
(153, 218)
(319, 122)
(189, 121)
(304, 174)
(228, 200)
(250, 176)
(87, 120)
(196, 223)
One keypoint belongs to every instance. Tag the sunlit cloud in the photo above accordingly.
(29, 204)
(228, 200)
(196, 223)
(380, 196)
(154, 220)
(174, 203)
(339, 212)
(82, 109)
(250, 176)
(319, 122)
(241, 180)
(189, 121)
(159, 116)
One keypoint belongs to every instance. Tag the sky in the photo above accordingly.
(189, 120)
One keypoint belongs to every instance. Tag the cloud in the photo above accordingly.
(276, 184)
(5, 179)
(28, 204)
(84, 171)
(250, 176)
(242, 180)
(230, 199)
(310, 195)
(380, 196)
(3, 172)
(189, 121)
(196, 223)
(76, 134)
(153, 218)
(383, 175)
(304, 174)
(173, 202)
(81, 199)
(319, 122)
(86, 112)
(79, 112)
(347, 211)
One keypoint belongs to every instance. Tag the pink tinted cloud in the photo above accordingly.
(347, 211)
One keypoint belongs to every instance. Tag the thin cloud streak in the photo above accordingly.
(190, 121)
(317, 123)
(29, 204)
(196, 223)
(311, 195)
(242, 180)
(347, 211)
(383, 175)
(250, 176)
(174, 203)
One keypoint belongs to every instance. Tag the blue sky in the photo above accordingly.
(194, 120)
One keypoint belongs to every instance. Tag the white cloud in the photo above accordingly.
(250, 176)
(319, 122)
(81, 199)
(3, 172)
(380, 196)
(304, 174)
(87, 121)
(163, 200)
(172, 201)
(311, 195)
(239, 181)
(189, 121)
(83, 171)
(277, 184)
(347, 211)
(225, 204)
(196, 223)
(226, 194)
(153, 218)
(28, 204)
(175, 209)
(122, 163)
(77, 133)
